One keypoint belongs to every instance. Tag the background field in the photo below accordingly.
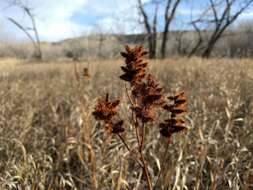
(45, 117)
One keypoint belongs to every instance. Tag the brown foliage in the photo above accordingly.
(148, 96)
(134, 71)
(105, 111)
(174, 124)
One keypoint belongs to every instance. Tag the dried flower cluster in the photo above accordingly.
(175, 123)
(148, 96)
(86, 73)
(105, 111)
(135, 66)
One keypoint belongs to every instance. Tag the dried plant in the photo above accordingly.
(174, 124)
(146, 97)
(105, 111)
(86, 73)
(135, 68)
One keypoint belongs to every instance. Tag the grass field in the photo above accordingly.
(49, 139)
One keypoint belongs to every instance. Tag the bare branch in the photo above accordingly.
(145, 16)
(169, 15)
(34, 39)
(221, 23)
(150, 29)
(23, 29)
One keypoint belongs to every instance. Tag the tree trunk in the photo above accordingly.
(170, 11)
(164, 42)
(152, 46)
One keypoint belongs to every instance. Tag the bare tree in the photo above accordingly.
(170, 11)
(218, 16)
(151, 27)
(31, 32)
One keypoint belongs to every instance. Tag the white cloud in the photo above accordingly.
(55, 21)
(246, 15)
(54, 17)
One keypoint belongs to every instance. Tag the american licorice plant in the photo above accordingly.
(146, 97)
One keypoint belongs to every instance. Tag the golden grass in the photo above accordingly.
(44, 115)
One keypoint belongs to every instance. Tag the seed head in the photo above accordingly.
(148, 96)
(135, 68)
(174, 124)
(105, 110)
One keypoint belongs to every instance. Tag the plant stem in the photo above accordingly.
(129, 150)
(142, 136)
(146, 172)
(88, 139)
(140, 143)
(129, 97)
(162, 166)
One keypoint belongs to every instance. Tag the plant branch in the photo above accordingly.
(129, 97)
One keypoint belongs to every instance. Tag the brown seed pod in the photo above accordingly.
(105, 110)
(134, 70)
(174, 124)
(148, 96)
(117, 127)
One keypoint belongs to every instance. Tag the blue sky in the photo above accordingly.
(59, 19)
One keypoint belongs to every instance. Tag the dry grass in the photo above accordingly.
(44, 117)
